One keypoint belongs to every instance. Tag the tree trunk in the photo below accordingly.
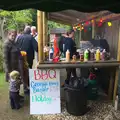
(2, 22)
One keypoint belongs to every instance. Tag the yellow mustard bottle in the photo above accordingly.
(97, 55)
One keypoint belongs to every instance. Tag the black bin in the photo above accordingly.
(76, 101)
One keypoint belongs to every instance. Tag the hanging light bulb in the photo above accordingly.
(101, 20)
(87, 22)
(99, 24)
(92, 21)
(109, 24)
(82, 23)
(82, 28)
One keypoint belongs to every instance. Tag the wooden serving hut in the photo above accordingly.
(74, 18)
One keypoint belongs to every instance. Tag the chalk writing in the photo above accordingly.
(38, 84)
(44, 91)
(44, 74)
(41, 98)
(44, 86)
(53, 83)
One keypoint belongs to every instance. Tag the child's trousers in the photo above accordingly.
(14, 100)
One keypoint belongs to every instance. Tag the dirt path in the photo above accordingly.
(6, 113)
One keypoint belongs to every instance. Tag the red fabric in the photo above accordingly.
(92, 76)
(56, 49)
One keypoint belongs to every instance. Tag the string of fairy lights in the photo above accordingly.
(87, 25)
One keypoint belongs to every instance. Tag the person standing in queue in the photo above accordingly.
(71, 46)
(35, 35)
(34, 31)
(27, 43)
(11, 54)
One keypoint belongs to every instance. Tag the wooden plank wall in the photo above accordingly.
(85, 36)
(111, 35)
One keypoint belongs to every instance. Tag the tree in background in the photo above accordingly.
(14, 20)
(51, 24)
(18, 19)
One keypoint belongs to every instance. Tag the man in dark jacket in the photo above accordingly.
(28, 44)
(11, 54)
(71, 46)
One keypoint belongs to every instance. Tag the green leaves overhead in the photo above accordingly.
(16, 19)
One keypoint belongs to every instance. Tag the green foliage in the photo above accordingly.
(52, 24)
(16, 19)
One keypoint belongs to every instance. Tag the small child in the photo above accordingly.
(15, 81)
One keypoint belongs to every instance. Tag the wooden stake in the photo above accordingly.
(40, 35)
(117, 69)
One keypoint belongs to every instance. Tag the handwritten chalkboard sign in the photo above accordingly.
(44, 91)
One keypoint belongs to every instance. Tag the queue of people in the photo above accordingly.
(27, 42)
(14, 62)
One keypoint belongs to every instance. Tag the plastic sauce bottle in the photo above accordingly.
(51, 54)
(86, 55)
(81, 56)
(103, 57)
(97, 55)
(92, 56)
(67, 56)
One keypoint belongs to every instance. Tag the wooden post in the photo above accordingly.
(44, 29)
(111, 83)
(44, 32)
(117, 69)
(80, 34)
(93, 29)
(40, 35)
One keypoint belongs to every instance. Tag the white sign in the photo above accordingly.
(44, 91)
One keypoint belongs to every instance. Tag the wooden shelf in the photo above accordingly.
(60, 65)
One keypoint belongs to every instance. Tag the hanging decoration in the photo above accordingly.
(89, 28)
(82, 28)
(87, 25)
(100, 22)
(109, 24)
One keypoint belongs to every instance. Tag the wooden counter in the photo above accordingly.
(113, 83)
(60, 65)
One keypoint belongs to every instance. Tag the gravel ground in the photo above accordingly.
(100, 110)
